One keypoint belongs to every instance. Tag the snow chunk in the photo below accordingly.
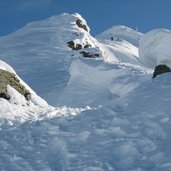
(154, 48)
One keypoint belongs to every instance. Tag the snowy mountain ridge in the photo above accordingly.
(108, 115)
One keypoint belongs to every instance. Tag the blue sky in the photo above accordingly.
(100, 14)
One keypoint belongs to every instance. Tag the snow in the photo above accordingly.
(39, 52)
(19, 110)
(154, 48)
(109, 114)
(6, 67)
(120, 33)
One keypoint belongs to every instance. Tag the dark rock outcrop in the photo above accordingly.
(89, 54)
(81, 25)
(74, 46)
(8, 78)
(87, 46)
(160, 69)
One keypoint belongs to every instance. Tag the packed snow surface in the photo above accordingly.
(109, 114)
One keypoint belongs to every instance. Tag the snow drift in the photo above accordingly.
(154, 48)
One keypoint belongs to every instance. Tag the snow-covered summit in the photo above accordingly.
(121, 32)
(40, 51)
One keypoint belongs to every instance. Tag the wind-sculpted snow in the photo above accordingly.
(155, 48)
(94, 83)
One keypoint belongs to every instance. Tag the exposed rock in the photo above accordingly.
(74, 46)
(87, 46)
(27, 95)
(160, 69)
(89, 54)
(8, 78)
(81, 25)
(4, 95)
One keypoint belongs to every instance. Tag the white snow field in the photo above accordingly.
(108, 115)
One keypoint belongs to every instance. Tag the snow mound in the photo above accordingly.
(155, 48)
(119, 33)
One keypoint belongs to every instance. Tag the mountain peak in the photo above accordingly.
(121, 32)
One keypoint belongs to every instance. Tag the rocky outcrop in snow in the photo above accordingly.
(160, 69)
(82, 25)
(9, 79)
(17, 100)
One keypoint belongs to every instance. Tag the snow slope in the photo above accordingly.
(124, 137)
(19, 110)
(123, 47)
(126, 127)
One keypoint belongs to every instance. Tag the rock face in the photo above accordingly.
(89, 54)
(160, 69)
(81, 25)
(8, 78)
(74, 46)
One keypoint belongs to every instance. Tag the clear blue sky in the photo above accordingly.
(100, 14)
